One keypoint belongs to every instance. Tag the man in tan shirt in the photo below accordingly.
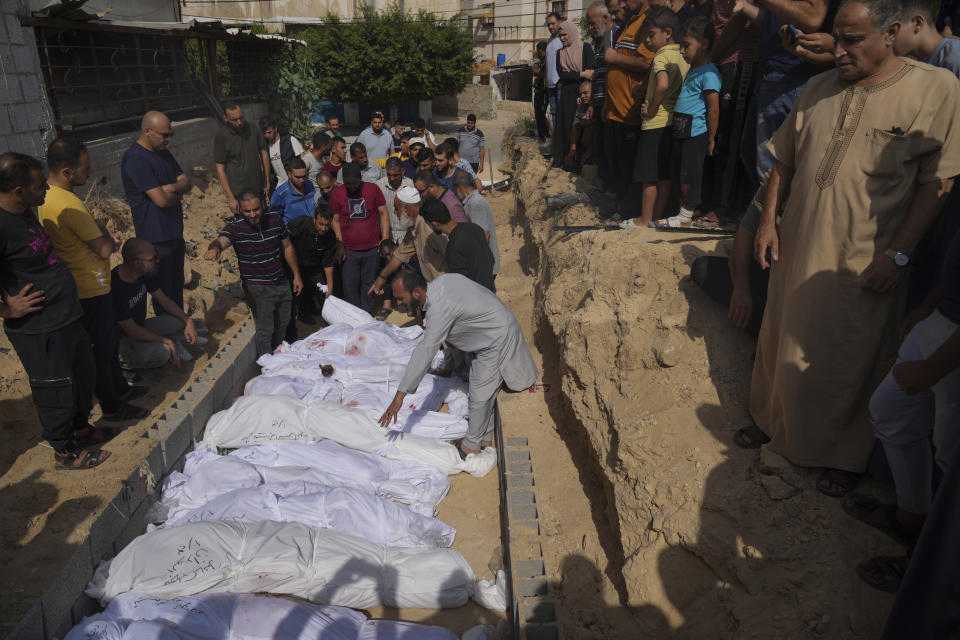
(864, 163)
(420, 242)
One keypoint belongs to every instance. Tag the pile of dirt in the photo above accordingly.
(704, 539)
(47, 512)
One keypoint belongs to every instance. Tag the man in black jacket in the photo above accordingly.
(467, 251)
(318, 253)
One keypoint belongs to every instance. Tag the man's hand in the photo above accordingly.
(190, 332)
(213, 253)
(172, 346)
(571, 158)
(341, 252)
(766, 238)
(24, 302)
(234, 206)
(374, 289)
(645, 109)
(392, 410)
(882, 275)
(741, 308)
(297, 285)
(266, 195)
(480, 168)
(816, 42)
(328, 293)
(117, 242)
(916, 376)
(711, 148)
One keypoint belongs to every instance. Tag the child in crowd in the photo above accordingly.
(580, 133)
(694, 118)
(653, 165)
(918, 37)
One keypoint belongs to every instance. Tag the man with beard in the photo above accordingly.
(240, 155)
(369, 171)
(604, 31)
(325, 185)
(470, 318)
(361, 221)
(377, 141)
(389, 185)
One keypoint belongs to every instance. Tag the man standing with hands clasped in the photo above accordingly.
(241, 158)
(472, 319)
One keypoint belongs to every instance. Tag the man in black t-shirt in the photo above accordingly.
(318, 253)
(148, 343)
(41, 315)
(467, 251)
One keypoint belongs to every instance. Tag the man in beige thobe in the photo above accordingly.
(864, 163)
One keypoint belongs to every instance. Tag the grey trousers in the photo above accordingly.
(270, 305)
(485, 385)
(903, 423)
(139, 354)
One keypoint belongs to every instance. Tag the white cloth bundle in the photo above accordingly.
(304, 388)
(341, 508)
(228, 616)
(336, 310)
(253, 420)
(207, 475)
(319, 565)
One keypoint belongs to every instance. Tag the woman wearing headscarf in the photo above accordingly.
(575, 57)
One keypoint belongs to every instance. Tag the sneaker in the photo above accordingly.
(185, 356)
(201, 340)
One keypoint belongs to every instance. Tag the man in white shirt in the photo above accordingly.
(553, 77)
(389, 185)
(281, 147)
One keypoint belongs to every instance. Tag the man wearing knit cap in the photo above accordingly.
(420, 242)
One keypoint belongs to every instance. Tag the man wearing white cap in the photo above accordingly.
(419, 241)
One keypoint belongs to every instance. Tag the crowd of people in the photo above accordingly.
(298, 217)
(827, 130)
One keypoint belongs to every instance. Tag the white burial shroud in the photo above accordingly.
(319, 565)
(255, 420)
(207, 475)
(137, 616)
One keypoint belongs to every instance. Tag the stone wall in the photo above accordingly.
(479, 99)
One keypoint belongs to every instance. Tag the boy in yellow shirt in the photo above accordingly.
(653, 164)
(85, 247)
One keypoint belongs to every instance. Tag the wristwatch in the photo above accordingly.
(899, 259)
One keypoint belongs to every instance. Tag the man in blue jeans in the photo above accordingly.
(552, 78)
(361, 221)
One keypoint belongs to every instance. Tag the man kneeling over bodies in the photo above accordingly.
(148, 343)
(475, 321)
(258, 239)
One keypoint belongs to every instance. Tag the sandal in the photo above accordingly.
(93, 437)
(382, 315)
(673, 222)
(750, 437)
(846, 480)
(79, 459)
(134, 391)
(883, 572)
(865, 509)
(127, 412)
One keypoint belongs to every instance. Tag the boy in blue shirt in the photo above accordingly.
(695, 118)
(295, 197)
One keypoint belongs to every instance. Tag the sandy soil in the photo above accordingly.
(698, 538)
(47, 512)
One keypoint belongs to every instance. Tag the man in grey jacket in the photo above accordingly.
(469, 317)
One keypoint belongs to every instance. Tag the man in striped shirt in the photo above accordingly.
(258, 239)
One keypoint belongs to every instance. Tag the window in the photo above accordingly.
(559, 7)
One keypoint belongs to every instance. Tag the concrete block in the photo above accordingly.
(21, 120)
(516, 442)
(176, 436)
(523, 511)
(24, 57)
(30, 85)
(518, 456)
(525, 527)
(105, 528)
(5, 127)
(519, 468)
(528, 587)
(30, 626)
(14, 30)
(11, 93)
(64, 591)
(521, 497)
(136, 525)
(142, 482)
(526, 550)
(519, 481)
(538, 611)
(201, 399)
(529, 568)
(546, 632)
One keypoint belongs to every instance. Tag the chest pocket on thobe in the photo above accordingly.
(885, 154)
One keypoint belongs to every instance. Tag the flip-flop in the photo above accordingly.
(80, 459)
(862, 507)
(664, 223)
(750, 437)
(95, 437)
(382, 315)
(847, 480)
(882, 572)
(135, 391)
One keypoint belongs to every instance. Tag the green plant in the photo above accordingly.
(293, 89)
(523, 126)
(389, 57)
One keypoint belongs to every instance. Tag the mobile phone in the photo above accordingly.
(794, 33)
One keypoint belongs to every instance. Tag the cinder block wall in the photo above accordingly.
(26, 120)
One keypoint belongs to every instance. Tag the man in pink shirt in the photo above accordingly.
(426, 183)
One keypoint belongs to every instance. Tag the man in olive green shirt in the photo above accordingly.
(240, 153)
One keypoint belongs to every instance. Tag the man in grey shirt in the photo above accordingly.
(472, 319)
(377, 141)
(479, 213)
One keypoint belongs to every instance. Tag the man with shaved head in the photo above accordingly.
(154, 184)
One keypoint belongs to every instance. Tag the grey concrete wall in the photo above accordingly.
(126, 10)
(479, 99)
(26, 120)
(192, 145)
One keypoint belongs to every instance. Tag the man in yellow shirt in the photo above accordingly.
(85, 247)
